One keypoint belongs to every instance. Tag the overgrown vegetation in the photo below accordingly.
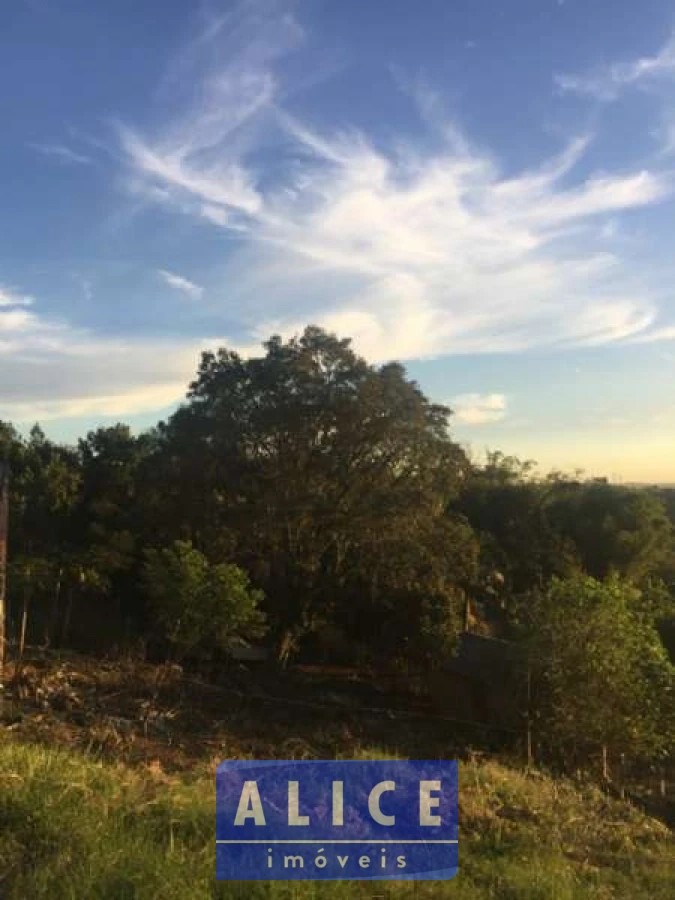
(602, 675)
(323, 501)
(75, 826)
(107, 789)
(201, 607)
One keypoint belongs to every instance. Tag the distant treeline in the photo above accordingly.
(311, 500)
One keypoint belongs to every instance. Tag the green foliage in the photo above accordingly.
(76, 827)
(510, 512)
(600, 672)
(614, 529)
(329, 476)
(201, 606)
(335, 486)
(405, 590)
(500, 469)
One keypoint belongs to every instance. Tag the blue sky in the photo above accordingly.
(483, 190)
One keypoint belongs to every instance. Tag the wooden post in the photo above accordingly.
(467, 612)
(4, 509)
(530, 753)
(24, 615)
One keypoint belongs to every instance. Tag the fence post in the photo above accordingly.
(530, 754)
(4, 509)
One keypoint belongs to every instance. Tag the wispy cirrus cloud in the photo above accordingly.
(417, 246)
(478, 409)
(610, 81)
(196, 161)
(62, 154)
(180, 283)
(416, 249)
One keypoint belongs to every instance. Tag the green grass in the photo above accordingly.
(74, 826)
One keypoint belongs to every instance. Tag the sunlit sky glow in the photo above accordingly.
(482, 190)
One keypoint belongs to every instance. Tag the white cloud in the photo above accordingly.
(9, 297)
(224, 185)
(180, 283)
(478, 409)
(419, 248)
(666, 333)
(69, 371)
(608, 82)
(135, 401)
(194, 163)
(62, 154)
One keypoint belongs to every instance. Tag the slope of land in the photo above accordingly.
(107, 791)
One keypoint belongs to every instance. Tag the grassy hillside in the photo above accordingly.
(93, 808)
(77, 827)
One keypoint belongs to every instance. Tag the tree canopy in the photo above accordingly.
(323, 494)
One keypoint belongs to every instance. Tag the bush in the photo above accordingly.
(201, 606)
(601, 676)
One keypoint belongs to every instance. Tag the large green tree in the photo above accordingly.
(312, 466)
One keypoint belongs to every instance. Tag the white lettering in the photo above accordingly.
(338, 803)
(374, 803)
(250, 806)
(427, 802)
(294, 817)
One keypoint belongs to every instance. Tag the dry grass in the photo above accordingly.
(102, 795)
